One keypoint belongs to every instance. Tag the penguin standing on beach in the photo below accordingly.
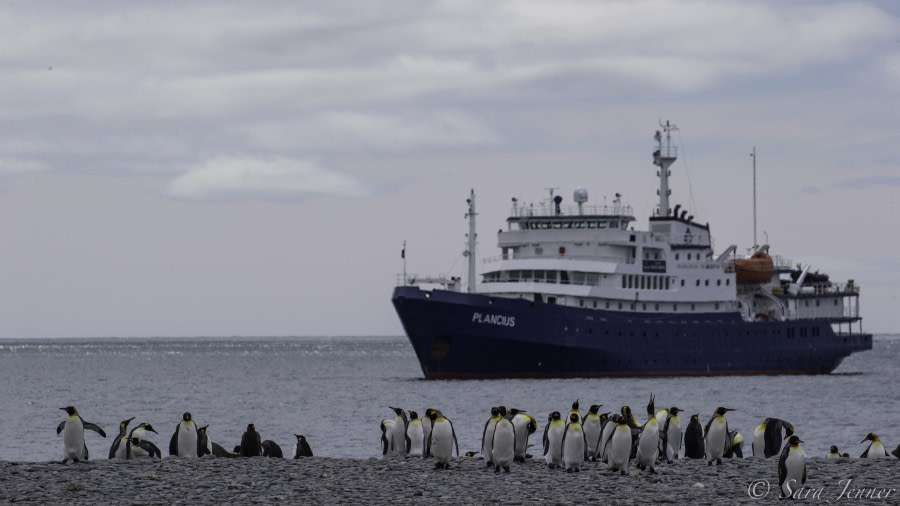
(694, 444)
(735, 446)
(876, 448)
(185, 441)
(574, 410)
(442, 440)
(399, 432)
(136, 447)
(553, 435)
(271, 449)
(619, 445)
(833, 453)
(415, 436)
(648, 441)
(74, 447)
(140, 432)
(769, 436)
(204, 443)
(717, 436)
(574, 445)
(671, 434)
(251, 442)
(487, 436)
(503, 446)
(301, 448)
(791, 467)
(117, 450)
(426, 429)
(592, 426)
(387, 437)
(524, 426)
(602, 450)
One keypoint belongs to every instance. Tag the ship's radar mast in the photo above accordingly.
(664, 156)
(470, 249)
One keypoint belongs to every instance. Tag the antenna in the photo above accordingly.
(470, 251)
(663, 157)
(753, 154)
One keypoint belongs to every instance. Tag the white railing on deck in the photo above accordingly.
(526, 210)
(500, 258)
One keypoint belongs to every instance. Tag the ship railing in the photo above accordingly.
(529, 210)
(500, 258)
(696, 240)
(705, 265)
(830, 288)
(416, 279)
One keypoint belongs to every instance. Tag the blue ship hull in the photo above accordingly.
(457, 335)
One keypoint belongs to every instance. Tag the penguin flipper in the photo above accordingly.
(455, 442)
(94, 427)
(782, 466)
(865, 454)
(114, 447)
(173, 443)
(484, 432)
(408, 443)
(85, 456)
(150, 448)
(546, 440)
(60, 427)
(706, 427)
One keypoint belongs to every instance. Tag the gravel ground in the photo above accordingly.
(325, 480)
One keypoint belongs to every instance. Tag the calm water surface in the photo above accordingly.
(336, 390)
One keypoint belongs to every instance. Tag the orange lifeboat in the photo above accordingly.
(757, 269)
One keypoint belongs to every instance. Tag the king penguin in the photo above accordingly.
(442, 440)
(833, 453)
(503, 446)
(140, 432)
(74, 447)
(671, 434)
(137, 448)
(524, 426)
(204, 443)
(648, 441)
(426, 429)
(387, 438)
(791, 467)
(735, 446)
(602, 450)
(769, 436)
(271, 449)
(574, 445)
(184, 442)
(619, 445)
(301, 448)
(251, 442)
(694, 446)
(553, 435)
(876, 448)
(896, 451)
(575, 411)
(399, 432)
(487, 437)
(592, 426)
(415, 439)
(717, 436)
(118, 450)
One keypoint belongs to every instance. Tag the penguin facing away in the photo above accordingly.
(876, 448)
(442, 440)
(301, 448)
(524, 426)
(271, 449)
(74, 447)
(553, 435)
(602, 450)
(791, 467)
(251, 442)
(184, 442)
(694, 443)
(592, 425)
(426, 430)
(204, 445)
(218, 451)
(399, 432)
(117, 450)
(503, 446)
(415, 436)
(387, 438)
(487, 436)
(574, 445)
(774, 434)
(734, 447)
(716, 436)
(833, 453)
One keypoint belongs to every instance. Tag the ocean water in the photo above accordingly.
(336, 390)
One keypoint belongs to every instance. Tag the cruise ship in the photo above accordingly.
(576, 291)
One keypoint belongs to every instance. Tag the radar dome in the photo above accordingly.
(581, 196)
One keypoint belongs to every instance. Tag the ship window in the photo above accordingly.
(614, 224)
(676, 256)
(601, 224)
(727, 282)
(717, 305)
(539, 276)
(645, 306)
(607, 304)
(581, 302)
(674, 307)
(718, 282)
(642, 280)
(706, 282)
(656, 307)
(632, 308)
(682, 282)
(624, 281)
(698, 282)
(514, 276)
(817, 303)
(835, 302)
(620, 305)
(591, 224)
(578, 278)
(538, 251)
(693, 307)
(595, 304)
(592, 278)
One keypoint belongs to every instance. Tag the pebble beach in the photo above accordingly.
(318, 480)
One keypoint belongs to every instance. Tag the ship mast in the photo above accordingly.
(470, 251)
(663, 157)
(753, 154)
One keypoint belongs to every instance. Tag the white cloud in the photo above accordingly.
(18, 166)
(242, 177)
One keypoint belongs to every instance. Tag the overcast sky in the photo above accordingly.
(253, 168)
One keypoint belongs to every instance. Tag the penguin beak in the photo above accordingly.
(801, 441)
